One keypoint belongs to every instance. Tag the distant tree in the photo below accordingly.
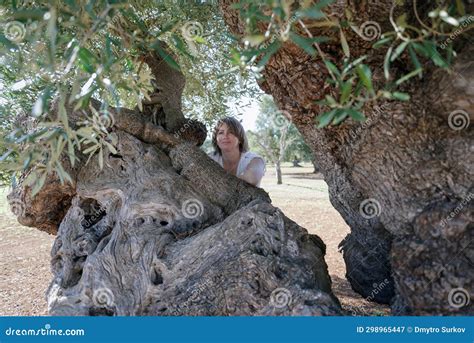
(298, 149)
(271, 137)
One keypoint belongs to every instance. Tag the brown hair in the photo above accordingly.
(236, 128)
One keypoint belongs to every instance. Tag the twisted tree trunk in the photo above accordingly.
(398, 176)
(163, 230)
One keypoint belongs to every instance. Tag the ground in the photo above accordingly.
(303, 197)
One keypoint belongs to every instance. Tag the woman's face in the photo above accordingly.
(226, 140)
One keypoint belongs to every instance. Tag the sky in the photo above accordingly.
(249, 112)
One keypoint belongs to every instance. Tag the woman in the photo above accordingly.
(231, 152)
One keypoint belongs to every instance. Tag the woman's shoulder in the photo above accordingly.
(251, 160)
(249, 155)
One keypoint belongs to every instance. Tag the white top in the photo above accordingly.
(257, 167)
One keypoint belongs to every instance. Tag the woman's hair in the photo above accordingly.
(236, 129)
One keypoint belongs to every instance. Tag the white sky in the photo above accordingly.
(249, 112)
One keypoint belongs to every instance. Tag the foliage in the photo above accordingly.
(94, 49)
(352, 81)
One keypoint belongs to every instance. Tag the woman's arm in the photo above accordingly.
(254, 172)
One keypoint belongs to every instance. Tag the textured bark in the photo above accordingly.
(164, 230)
(156, 244)
(46, 211)
(404, 162)
(161, 122)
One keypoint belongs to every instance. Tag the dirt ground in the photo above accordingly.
(303, 197)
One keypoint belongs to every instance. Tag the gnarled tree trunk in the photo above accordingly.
(398, 177)
(163, 230)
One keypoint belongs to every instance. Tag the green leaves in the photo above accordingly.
(332, 68)
(381, 42)
(408, 76)
(401, 96)
(166, 56)
(87, 60)
(346, 90)
(398, 51)
(269, 52)
(356, 115)
(366, 77)
(345, 45)
(325, 118)
(386, 63)
(95, 49)
(432, 51)
(337, 115)
(314, 12)
(306, 43)
(351, 82)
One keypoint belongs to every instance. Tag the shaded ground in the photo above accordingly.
(24, 252)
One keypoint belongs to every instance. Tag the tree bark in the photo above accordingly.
(278, 173)
(315, 166)
(163, 230)
(158, 245)
(397, 174)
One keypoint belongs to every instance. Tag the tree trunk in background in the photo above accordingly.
(278, 172)
(315, 166)
(296, 163)
(403, 179)
(164, 230)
